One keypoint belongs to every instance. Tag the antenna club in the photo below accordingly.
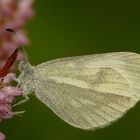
(10, 30)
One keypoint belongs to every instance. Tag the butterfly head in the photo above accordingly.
(24, 66)
(26, 76)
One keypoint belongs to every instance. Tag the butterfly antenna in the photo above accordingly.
(20, 43)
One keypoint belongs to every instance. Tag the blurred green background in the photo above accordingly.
(76, 27)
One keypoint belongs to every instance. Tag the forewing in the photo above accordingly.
(88, 91)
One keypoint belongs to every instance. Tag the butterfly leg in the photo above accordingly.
(19, 113)
(21, 102)
(18, 82)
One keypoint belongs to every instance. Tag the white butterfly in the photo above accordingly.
(87, 92)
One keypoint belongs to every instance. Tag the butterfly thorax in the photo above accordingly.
(26, 77)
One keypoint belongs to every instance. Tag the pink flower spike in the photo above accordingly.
(2, 136)
(13, 14)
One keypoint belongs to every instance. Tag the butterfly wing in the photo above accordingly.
(89, 91)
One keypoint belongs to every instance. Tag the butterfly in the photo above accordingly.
(87, 92)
